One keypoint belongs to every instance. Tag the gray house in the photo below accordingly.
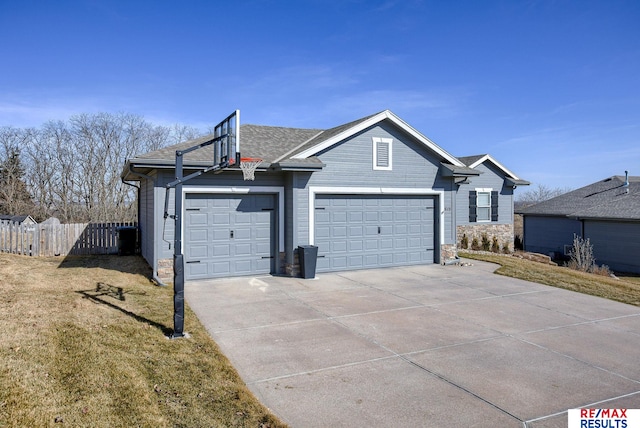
(370, 193)
(606, 212)
(26, 220)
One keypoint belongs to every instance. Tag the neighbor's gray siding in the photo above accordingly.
(350, 164)
(549, 234)
(492, 178)
(615, 244)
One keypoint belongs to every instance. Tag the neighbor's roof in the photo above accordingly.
(606, 199)
(16, 218)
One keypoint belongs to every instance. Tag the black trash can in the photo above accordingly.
(308, 256)
(127, 240)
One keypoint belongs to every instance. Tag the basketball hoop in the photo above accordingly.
(249, 166)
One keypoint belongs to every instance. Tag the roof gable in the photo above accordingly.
(474, 161)
(334, 136)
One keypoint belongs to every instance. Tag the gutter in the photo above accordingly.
(157, 280)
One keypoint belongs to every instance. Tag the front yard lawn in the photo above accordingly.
(84, 344)
(622, 289)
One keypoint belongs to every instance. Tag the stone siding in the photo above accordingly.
(165, 270)
(290, 269)
(504, 233)
(448, 252)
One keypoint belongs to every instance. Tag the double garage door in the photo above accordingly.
(229, 235)
(233, 235)
(360, 232)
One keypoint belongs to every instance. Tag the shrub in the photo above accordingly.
(582, 255)
(505, 248)
(517, 243)
(464, 242)
(486, 244)
(475, 245)
(495, 245)
(601, 270)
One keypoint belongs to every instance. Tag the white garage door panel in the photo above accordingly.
(359, 231)
(228, 235)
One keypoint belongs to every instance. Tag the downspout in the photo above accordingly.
(146, 177)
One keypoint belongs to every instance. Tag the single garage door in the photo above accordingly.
(360, 232)
(229, 235)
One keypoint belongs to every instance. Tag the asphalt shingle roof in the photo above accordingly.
(605, 199)
(257, 141)
(270, 143)
(469, 160)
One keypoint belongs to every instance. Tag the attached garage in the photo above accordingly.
(370, 231)
(229, 235)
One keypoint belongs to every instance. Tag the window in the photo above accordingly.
(382, 153)
(483, 205)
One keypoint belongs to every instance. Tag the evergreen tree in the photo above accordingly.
(14, 194)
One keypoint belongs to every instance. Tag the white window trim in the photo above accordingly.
(376, 141)
(478, 191)
(399, 191)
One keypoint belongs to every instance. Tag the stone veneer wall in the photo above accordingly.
(448, 252)
(290, 269)
(165, 270)
(504, 233)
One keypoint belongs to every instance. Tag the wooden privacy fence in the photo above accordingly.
(60, 239)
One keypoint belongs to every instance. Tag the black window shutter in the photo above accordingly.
(494, 205)
(473, 204)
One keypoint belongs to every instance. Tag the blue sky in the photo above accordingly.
(549, 88)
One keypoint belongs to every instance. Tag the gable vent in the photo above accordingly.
(382, 153)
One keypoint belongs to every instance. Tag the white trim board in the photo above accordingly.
(241, 190)
(399, 191)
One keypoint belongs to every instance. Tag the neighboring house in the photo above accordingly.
(370, 193)
(51, 221)
(606, 212)
(26, 220)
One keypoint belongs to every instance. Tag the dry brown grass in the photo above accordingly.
(84, 344)
(621, 289)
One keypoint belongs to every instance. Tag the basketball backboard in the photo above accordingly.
(226, 136)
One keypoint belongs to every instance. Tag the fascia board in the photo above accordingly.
(496, 163)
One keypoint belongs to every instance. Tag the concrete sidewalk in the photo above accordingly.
(425, 346)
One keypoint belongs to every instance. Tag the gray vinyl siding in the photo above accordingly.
(146, 220)
(491, 178)
(549, 234)
(615, 244)
(350, 164)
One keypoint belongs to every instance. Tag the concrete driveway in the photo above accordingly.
(427, 346)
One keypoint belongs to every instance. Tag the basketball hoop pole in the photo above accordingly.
(178, 259)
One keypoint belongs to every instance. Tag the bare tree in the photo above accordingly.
(72, 169)
(539, 194)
